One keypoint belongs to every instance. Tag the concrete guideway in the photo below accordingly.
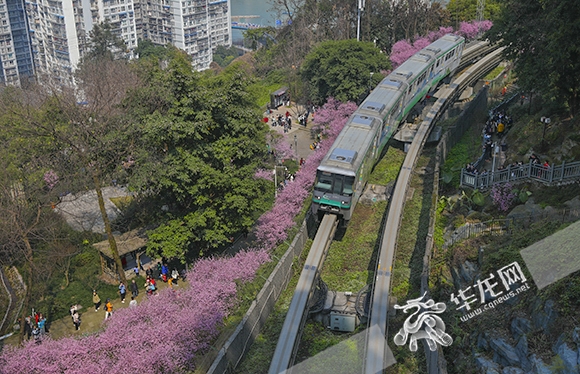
(297, 311)
(378, 355)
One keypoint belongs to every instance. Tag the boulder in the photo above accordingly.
(512, 370)
(545, 318)
(576, 335)
(522, 352)
(482, 342)
(561, 339)
(573, 204)
(569, 359)
(538, 366)
(485, 365)
(467, 272)
(520, 326)
(505, 354)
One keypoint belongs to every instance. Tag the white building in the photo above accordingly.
(49, 37)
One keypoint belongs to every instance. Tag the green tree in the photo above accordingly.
(342, 69)
(541, 38)
(466, 10)
(197, 155)
(103, 43)
(146, 49)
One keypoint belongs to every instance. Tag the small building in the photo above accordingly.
(279, 97)
(131, 247)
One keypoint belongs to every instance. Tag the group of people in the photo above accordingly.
(283, 121)
(35, 326)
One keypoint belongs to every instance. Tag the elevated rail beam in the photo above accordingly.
(297, 312)
(377, 352)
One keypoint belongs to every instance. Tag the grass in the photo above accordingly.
(387, 169)
(122, 202)
(494, 73)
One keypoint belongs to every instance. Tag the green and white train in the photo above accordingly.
(344, 171)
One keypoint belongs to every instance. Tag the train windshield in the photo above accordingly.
(334, 183)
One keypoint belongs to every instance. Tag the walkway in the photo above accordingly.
(303, 134)
(91, 320)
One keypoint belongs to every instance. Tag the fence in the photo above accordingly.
(553, 175)
(238, 344)
(501, 226)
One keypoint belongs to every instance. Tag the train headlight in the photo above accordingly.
(317, 197)
(345, 203)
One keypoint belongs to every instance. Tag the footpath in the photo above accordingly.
(91, 321)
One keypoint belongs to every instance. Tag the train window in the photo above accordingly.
(337, 184)
(348, 183)
(323, 181)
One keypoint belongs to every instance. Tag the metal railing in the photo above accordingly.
(553, 175)
(505, 225)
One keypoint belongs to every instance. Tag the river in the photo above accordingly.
(261, 8)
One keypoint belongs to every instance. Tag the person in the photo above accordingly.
(28, 327)
(76, 320)
(36, 335)
(73, 309)
(134, 289)
(164, 272)
(136, 270)
(122, 291)
(174, 275)
(108, 309)
(42, 324)
(96, 300)
(133, 302)
(149, 272)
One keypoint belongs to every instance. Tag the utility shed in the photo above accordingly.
(131, 246)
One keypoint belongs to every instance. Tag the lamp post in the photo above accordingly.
(296, 146)
(370, 82)
(361, 5)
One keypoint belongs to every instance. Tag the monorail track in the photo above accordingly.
(377, 356)
(297, 312)
(377, 353)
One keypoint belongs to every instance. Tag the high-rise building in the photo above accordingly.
(195, 26)
(48, 38)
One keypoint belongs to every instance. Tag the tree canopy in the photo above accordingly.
(199, 145)
(542, 37)
(342, 69)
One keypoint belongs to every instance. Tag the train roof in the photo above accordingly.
(410, 69)
(382, 99)
(350, 147)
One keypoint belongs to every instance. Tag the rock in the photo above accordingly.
(550, 211)
(569, 359)
(512, 370)
(482, 342)
(576, 335)
(573, 204)
(526, 209)
(485, 365)
(467, 272)
(522, 352)
(505, 354)
(545, 319)
(538, 366)
(558, 343)
(520, 326)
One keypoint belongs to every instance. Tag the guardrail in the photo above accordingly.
(501, 226)
(553, 175)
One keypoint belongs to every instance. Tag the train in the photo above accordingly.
(344, 171)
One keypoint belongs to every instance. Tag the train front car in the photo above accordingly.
(344, 170)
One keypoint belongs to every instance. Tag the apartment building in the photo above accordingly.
(47, 38)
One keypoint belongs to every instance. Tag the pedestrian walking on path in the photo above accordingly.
(134, 289)
(122, 291)
(108, 309)
(96, 300)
